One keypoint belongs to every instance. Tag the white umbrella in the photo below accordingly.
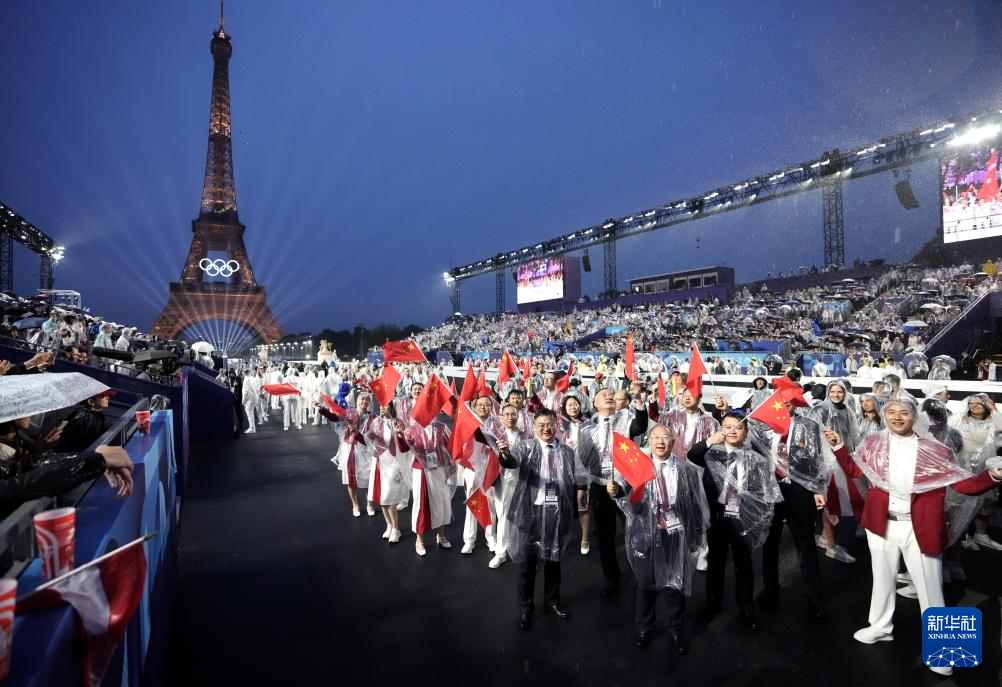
(26, 395)
(202, 347)
(915, 323)
(932, 306)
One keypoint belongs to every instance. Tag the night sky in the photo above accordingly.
(375, 142)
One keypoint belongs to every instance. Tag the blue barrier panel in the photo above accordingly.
(43, 650)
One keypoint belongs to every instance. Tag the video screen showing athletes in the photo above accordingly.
(540, 280)
(972, 208)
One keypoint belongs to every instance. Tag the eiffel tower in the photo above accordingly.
(238, 298)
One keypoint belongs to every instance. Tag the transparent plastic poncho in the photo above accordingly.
(805, 457)
(747, 489)
(666, 527)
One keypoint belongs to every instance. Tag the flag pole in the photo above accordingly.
(96, 561)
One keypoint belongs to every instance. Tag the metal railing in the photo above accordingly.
(17, 532)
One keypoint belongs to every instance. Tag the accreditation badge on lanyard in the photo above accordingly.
(670, 518)
(550, 496)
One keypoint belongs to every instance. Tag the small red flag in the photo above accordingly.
(332, 406)
(630, 374)
(465, 425)
(482, 388)
(506, 368)
(662, 395)
(450, 403)
(480, 507)
(493, 470)
(527, 370)
(281, 389)
(773, 413)
(386, 386)
(694, 379)
(564, 382)
(469, 391)
(430, 401)
(636, 466)
(637, 496)
(402, 352)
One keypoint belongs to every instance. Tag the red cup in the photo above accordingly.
(54, 534)
(8, 597)
(143, 418)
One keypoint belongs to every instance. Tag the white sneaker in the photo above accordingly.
(821, 543)
(946, 670)
(386, 532)
(969, 544)
(983, 540)
(286, 429)
(908, 591)
(491, 545)
(497, 561)
(871, 635)
(394, 536)
(249, 431)
(701, 564)
(355, 512)
(585, 548)
(370, 511)
(840, 554)
(419, 548)
(904, 578)
(442, 542)
(467, 548)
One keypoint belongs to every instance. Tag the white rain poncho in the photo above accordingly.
(543, 500)
(747, 489)
(666, 527)
(868, 426)
(355, 451)
(806, 458)
(980, 436)
(433, 477)
(389, 471)
(838, 416)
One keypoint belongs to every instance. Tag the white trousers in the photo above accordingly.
(471, 523)
(885, 555)
(290, 411)
(250, 410)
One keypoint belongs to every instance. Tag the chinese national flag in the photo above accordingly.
(506, 368)
(402, 352)
(469, 391)
(478, 505)
(565, 381)
(430, 401)
(281, 389)
(450, 404)
(694, 379)
(661, 392)
(386, 386)
(630, 374)
(527, 370)
(482, 389)
(331, 405)
(990, 188)
(493, 470)
(636, 466)
(465, 425)
(773, 413)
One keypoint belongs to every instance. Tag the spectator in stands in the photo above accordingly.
(939, 371)
(28, 471)
(85, 424)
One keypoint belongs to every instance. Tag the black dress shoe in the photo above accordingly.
(557, 611)
(643, 639)
(748, 618)
(768, 598)
(525, 620)
(681, 643)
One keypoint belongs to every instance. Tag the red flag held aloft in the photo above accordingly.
(635, 465)
(469, 391)
(402, 352)
(465, 425)
(281, 389)
(450, 403)
(628, 358)
(480, 507)
(772, 412)
(430, 401)
(564, 382)
(694, 378)
(331, 405)
(386, 386)
(662, 394)
(482, 389)
(506, 368)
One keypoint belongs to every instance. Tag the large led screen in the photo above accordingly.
(971, 204)
(540, 280)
